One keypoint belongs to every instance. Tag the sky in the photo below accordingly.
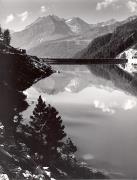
(16, 14)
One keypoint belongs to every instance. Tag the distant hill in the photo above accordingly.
(58, 49)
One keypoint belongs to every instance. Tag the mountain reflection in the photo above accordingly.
(74, 79)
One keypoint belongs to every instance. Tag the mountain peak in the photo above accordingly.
(39, 19)
(44, 19)
(76, 19)
(55, 17)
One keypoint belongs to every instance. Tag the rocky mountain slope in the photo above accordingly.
(62, 48)
(43, 29)
(77, 25)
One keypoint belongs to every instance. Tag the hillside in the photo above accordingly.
(18, 71)
(64, 49)
(94, 46)
(109, 46)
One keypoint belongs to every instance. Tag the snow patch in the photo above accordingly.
(131, 55)
(4, 177)
(69, 20)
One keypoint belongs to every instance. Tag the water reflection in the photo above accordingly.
(98, 105)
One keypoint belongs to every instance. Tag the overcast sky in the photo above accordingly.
(16, 14)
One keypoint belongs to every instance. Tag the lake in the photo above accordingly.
(99, 110)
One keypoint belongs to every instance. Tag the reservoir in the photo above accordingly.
(99, 110)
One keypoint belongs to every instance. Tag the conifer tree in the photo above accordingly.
(69, 147)
(18, 119)
(6, 36)
(38, 126)
(46, 129)
(1, 34)
(55, 129)
(39, 115)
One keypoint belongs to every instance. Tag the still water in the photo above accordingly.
(99, 110)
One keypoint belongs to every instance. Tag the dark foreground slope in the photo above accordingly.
(17, 73)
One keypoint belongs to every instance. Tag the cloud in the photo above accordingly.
(132, 6)
(43, 9)
(23, 15)
(130, 104)
(10, 18)
(105, 4)
(105, 108)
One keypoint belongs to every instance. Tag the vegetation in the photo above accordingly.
(94, 46)
(5, 37)
(45, 131)
(48, 145)
(40, 143)
(1, 34)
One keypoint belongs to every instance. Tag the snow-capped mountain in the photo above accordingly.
(52, 36)
(52, 28)
(77, 25)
